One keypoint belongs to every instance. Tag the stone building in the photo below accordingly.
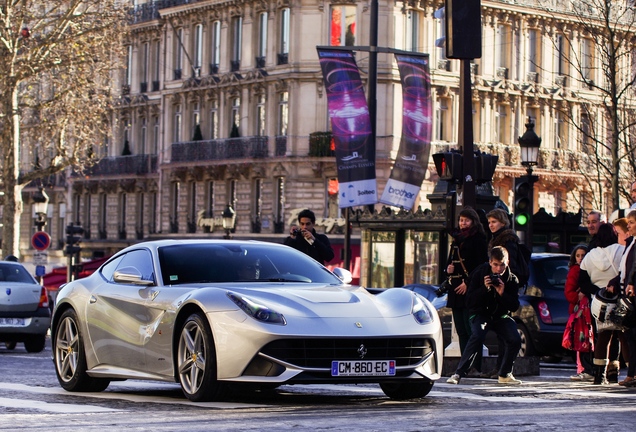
(223, 103)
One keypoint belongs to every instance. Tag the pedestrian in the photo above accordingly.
(305, 238)
(468, 250)
(574, 296)
(492, 296)
(595, 219)
(600, 265)
(622, 231)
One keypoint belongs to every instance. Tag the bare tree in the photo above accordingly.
(595, 39)
(58, 59)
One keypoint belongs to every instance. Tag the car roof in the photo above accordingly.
(543, 255)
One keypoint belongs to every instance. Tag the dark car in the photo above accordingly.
(542, 314)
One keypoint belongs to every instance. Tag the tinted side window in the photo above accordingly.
(141, 260)
(109, 268)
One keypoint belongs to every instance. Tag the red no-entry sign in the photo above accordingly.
(41, 240)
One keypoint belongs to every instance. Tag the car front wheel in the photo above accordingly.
(196, 360)
(69, 356)
(406, 390)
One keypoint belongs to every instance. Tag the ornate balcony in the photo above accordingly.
(255, 147)
(122, 165)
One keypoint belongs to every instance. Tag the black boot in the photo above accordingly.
(599, 372)
(612, 372)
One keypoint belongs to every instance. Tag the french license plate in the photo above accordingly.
(5, 322)
(363, 368)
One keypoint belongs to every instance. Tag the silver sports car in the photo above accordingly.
(209, 314)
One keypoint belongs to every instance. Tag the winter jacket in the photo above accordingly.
(487, 302)
(572, 287)
(626, 270)
(508, 238)
(473, 251)
(598, 267)
(321, 250)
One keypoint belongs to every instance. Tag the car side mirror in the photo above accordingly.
(130, 275)
(343, 274)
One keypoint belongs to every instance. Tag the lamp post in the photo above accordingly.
(529, 144)
(229, 218)
(40, 207)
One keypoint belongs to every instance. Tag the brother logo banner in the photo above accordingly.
(399, 194)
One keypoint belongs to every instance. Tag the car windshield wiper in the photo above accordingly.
(287, 278)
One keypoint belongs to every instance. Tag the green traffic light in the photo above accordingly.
(521, 219)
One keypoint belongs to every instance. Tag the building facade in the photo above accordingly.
(223, 103)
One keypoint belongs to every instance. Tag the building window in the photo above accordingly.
(122, 216)
(413, 31)
(86, 223)
(560, 55)
(155, 135)
(210, 199)
(235, 115)
(260, 115)
(441, 120)
(196, 117)
(174, 207)
(534, 50)
(503, 49)
(440, 33)
(178, 118)
(144, 68)
(586, 134)
(103, 217)
(192, 208)
(143, 136)
(283, 49)
(279, 209)
(139, 224)
(343, 26)
(215, 46)
(156, 66)
(198, 49)
(587, 60)
(232, 193)
(178, 53)
(258, 205)
(237, 35)
(283, 113)
(152, 213)
(560, 131)
(129, 65)
(501, 124)
(214, 120)
(262, 40)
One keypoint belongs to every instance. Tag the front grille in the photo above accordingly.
(318, 353)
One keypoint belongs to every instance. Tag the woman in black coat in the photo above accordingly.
(468, 250)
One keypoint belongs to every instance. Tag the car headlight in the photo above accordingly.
(421, 311)
(257, 311)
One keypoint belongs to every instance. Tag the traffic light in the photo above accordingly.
(523, 202)
(448, 165)
(463, 29)
(74, 234)
(485, 165)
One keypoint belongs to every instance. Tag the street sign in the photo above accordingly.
(41, 240)
(40, 270)
(40, 258)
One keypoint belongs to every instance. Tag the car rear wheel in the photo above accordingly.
(10, 345)
(527, 349)
(35, 344)
(406, 390)
(70, 358)
(196, 360)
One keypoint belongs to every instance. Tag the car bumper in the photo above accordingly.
(34, 324)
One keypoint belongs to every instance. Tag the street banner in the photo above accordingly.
(411, 162)
(351, 128)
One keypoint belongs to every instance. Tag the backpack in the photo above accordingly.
(523, 263)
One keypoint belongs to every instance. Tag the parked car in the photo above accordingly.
(211, 313)
(542, 314)
(24, 308)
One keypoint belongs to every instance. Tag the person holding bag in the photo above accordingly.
(579, 311)
(468, 250)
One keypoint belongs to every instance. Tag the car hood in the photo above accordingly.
(331, 301)
(19, 297)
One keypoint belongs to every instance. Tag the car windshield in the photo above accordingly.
(232, 262)
(551, 273)
(15, 273)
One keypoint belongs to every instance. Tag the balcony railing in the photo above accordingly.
(150, 11)
(220, 149)
(281, 145)
(118, 165)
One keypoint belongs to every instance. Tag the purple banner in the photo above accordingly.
(411, 163)
(351, 128)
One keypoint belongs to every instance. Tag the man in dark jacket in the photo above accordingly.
(493, 294)
(305, 238)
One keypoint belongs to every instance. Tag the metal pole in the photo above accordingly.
(347, 240)
(465, 136)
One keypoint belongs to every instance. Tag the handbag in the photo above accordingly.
(602, 308)
(579, 334)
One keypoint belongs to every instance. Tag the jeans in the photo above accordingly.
(463, 327)
(506, 330)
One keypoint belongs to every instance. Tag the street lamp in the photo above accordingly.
(529, 144)
(40, 207)
(229, 217)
